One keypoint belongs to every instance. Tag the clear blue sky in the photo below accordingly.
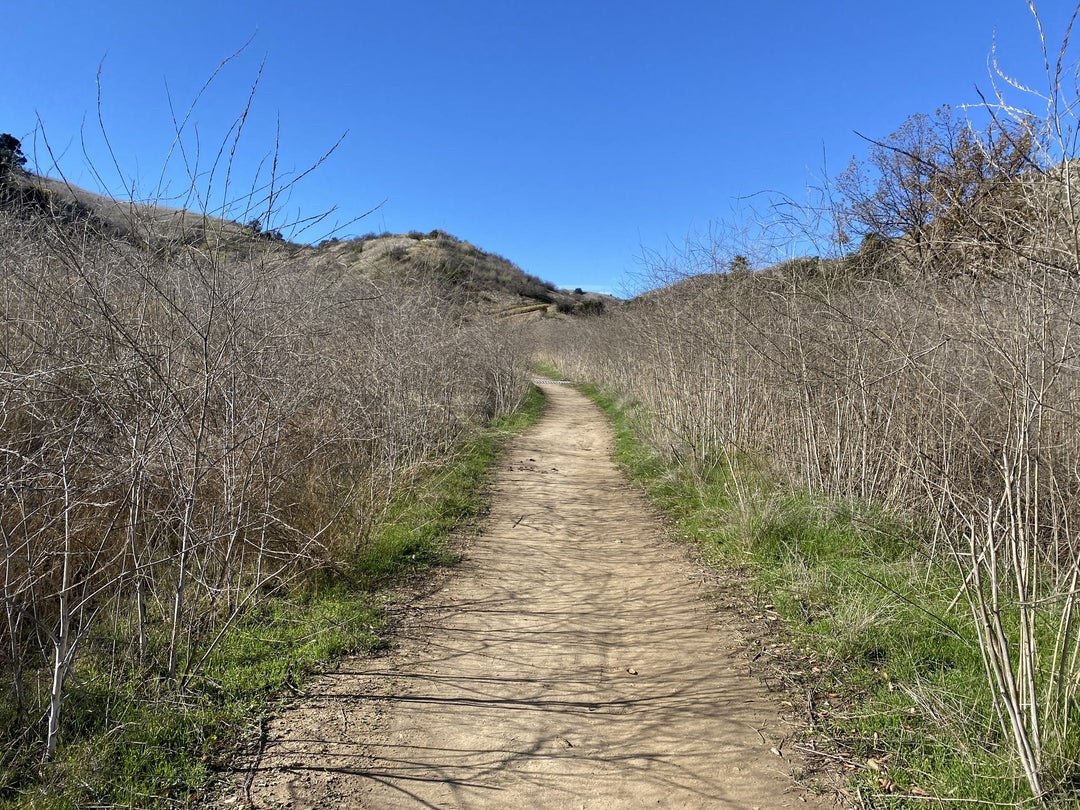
(567, 136)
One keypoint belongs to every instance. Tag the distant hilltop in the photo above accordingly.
(455, 266)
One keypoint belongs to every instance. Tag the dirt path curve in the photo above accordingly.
(569, 662)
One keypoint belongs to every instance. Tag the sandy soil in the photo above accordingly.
(570, 662)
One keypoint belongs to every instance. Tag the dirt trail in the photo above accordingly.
(569, 662)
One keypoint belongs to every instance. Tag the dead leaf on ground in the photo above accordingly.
(887, 785)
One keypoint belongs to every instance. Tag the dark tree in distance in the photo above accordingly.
(11, 156)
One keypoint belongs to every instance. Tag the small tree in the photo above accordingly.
(11, 156)
(740, 264)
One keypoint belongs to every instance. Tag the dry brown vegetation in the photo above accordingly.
(933, 371)
(438, 258)
(951, 400)
(188, 428)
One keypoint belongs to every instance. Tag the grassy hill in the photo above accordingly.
(458, 269)
(137, 222)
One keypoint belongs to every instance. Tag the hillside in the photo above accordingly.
(138, 222)
(459, 269)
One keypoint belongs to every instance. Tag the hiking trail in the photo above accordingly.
(571, 661)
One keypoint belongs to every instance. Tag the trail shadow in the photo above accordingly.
(571, 659)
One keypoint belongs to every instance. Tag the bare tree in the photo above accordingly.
(933, 185)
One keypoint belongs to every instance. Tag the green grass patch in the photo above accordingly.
(143, 742)
(884, 649)
(547, 371)
(415, 534)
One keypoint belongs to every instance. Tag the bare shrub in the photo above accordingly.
(944, 385)
(187, 428)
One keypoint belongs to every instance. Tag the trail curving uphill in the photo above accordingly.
(570, 662)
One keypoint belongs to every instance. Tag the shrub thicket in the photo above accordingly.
(187, 430)
(930, 373)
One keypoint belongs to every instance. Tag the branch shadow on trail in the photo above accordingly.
(538, 672)
(570, 657)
